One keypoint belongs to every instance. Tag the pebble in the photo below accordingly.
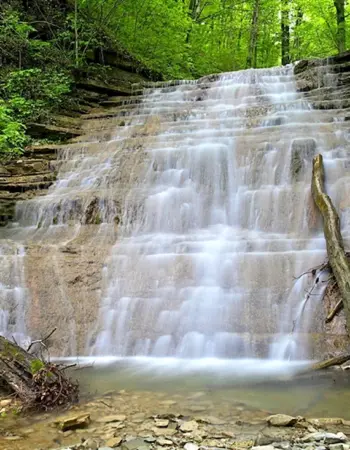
(163, 441)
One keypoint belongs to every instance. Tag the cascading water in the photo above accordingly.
(218, 219)
(225, 226)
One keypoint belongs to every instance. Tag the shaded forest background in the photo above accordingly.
(44, 42)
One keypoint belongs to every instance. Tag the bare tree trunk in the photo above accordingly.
(341, 32)
(285, 32)
(252, 52)
(331, 225)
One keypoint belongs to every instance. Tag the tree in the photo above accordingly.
(285, 29)
(341, 30)
(252, 52)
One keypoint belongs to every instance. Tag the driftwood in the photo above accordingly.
(336, 361)
(331, 225)
(37, 384)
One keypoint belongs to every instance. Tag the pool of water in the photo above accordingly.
(273, 386)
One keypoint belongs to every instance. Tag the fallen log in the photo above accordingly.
(37, 384)
(331, 226)
(335, 361)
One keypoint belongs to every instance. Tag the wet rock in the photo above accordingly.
(275, 434)
(162, 441)
(327, 438)
(187, 427)
(163, 431)
(211, 420)
(339, 446)
(190, 446)
(114, 442)
(110, 419)
(134, 444)
(303, 150)
(281, 420)
(73, 422)
(162, 423)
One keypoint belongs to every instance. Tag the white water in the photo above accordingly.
(209, 263)
(204, 268)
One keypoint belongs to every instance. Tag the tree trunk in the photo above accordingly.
(252, 52)
(285, 32)
(331, 226)
(296, 33)
(341, 33)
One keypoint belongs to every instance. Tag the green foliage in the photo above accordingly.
(36, 365)
(12, 134)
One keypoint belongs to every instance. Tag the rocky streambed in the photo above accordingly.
(146, 420)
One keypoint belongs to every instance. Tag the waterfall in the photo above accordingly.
(206, 266)
(200, 209)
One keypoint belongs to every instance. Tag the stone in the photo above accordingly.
(322, 421)
(90, 444)
(163, 431)
(162, 441)
(263, 447)
(114, 442)
(211, 420)
(134, 444)
(339, 446)
(187, 427)
(327, 438)
(281, 420)
(282, 445)
(73, 422)
(110, 419)
(162, 423)
(190, 446)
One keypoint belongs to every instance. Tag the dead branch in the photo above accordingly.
(338, 307)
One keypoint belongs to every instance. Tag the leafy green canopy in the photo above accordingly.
(190, 38)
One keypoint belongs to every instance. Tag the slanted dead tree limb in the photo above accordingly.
(331, 225)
